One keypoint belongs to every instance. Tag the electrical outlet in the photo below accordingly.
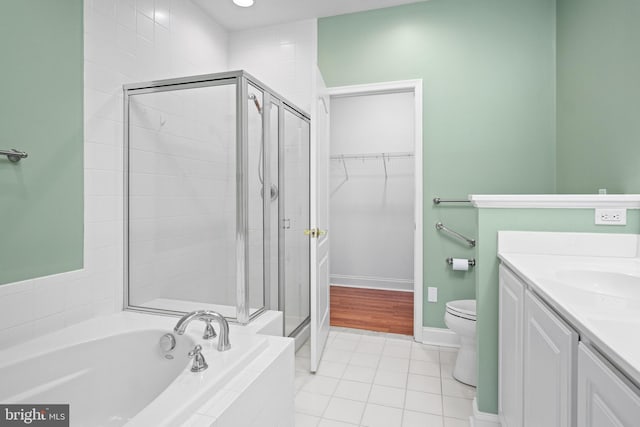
(432, 294)
(611, 216)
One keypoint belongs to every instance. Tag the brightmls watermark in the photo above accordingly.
(34, 415)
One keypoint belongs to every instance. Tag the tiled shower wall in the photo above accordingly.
(133, 41)
(281, 56)
(125, 41)
(182, 196)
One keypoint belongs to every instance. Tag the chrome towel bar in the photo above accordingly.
(14, 155)
(438, 200)
(441, 227)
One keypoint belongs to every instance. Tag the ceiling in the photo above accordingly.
(271, 12)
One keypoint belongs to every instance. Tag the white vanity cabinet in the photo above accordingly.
(549, 354)
(569, 354)
(510, 359)
(604, 400)
(536, 360)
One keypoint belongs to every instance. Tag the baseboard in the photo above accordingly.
(483, 419)
(381, 283)
(443, 337)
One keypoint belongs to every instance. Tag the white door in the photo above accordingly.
(319, 222)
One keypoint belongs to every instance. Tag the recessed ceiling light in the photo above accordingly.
(243, 3)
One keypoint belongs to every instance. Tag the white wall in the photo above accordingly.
(282, 56)
(129, 41)
(125, 41)
(371, 217)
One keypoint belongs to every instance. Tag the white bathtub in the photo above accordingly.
(112, 372)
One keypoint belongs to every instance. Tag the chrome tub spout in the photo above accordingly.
(207, 316)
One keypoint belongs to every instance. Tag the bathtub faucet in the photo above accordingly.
(207, 316)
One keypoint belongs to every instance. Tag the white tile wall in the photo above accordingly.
(133, 41)
(282, 56)
(181, 204)
(125, 41)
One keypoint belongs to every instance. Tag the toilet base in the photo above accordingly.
(465, 368)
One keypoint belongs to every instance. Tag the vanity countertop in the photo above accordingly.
(596, 291)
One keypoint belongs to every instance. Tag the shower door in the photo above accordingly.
(294, 206)
(181, 197)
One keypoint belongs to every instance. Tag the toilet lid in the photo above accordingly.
(465, 308)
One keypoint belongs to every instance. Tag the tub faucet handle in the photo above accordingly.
(209, 332)
(199, 364)
(223, 340)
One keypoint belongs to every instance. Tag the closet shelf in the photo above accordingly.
(363, 156)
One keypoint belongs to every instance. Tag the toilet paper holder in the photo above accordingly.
(472, 261)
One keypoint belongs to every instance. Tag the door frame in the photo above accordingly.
(414, 86)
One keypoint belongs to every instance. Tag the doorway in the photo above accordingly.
(376, 207)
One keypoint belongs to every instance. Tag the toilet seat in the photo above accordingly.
(465, 309)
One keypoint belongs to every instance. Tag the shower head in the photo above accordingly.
(254, 98)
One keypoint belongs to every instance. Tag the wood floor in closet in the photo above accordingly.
(372, 309)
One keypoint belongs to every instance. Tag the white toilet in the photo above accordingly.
(461, 319)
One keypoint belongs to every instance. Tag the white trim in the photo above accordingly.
(442, 337)
(377, 288)
(574, 201)
(382, 283)
(483, 419)
(414, 86)
(378, 88)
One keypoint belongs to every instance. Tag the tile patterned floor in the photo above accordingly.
(380, 380)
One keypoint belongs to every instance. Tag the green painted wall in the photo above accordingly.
(598, 91)
(41, 81)
(489, 222)
(488, 70)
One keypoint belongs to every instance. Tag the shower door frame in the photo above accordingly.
(242, 80)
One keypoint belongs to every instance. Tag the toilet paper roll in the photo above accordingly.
(460, 264)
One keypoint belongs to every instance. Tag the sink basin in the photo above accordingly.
(602, 282)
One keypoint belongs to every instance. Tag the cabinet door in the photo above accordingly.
(510, 359)
(549, 352)
(604, 400)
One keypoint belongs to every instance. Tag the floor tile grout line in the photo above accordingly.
(352, 353)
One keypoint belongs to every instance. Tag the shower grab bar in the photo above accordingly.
(441, 227)
(14, 155)
(438, 200)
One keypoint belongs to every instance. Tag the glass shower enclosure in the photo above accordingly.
(216, 199)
